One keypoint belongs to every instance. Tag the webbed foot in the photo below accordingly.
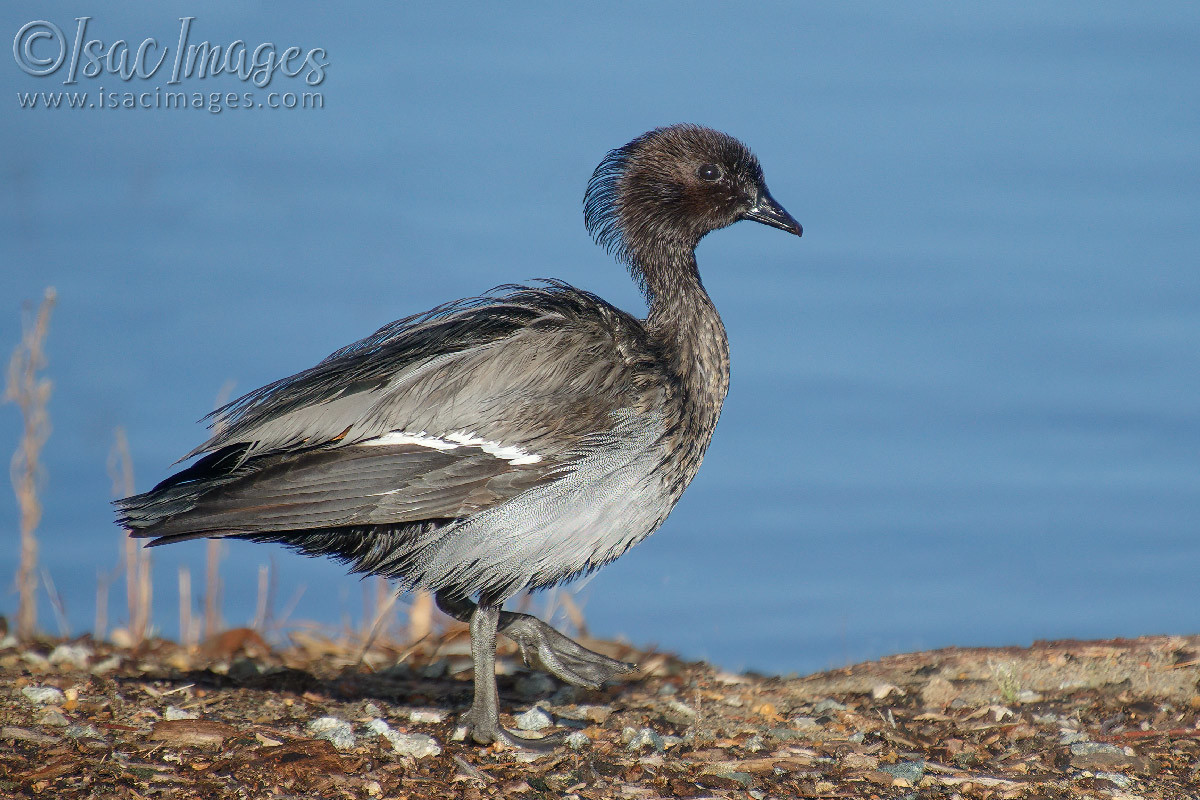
(545, 649)
(483, 727)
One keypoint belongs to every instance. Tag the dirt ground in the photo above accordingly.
(1112, 719)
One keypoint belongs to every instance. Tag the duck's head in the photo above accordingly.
(657, 196)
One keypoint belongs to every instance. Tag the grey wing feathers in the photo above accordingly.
(437, 372)
(350, 486)
(539, 371)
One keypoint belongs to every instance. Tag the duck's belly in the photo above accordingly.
(611, 499)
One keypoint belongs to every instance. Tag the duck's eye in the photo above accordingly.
(709, 172)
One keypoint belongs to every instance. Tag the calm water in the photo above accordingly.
(964, 406)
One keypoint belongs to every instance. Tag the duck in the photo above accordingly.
(502, 443)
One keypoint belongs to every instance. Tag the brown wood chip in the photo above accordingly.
(192, 732)
(24, 734)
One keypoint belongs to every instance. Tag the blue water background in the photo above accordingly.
(965, 406)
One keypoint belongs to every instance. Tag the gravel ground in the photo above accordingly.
(1113, 719)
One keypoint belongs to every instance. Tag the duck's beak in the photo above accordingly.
(768, 212)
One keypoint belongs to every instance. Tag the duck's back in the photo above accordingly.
(491, 444)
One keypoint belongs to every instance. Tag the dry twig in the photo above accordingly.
(31, 393)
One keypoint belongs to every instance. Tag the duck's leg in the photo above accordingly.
(542, 647)
(483, 720)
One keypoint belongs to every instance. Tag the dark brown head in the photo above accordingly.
(657, 196)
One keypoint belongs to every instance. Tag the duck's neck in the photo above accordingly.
(686, 326)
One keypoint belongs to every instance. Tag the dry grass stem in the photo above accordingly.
(56, 603)
(573, 612)
(187, 631)
(212, 588)
(136, 560)
(31, 393)
(264, 597)
(420, 616)
(382, 611)
(212, 553)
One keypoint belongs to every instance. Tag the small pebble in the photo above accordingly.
(724, 771)
(1116, 778)
(335, 730)
(83, 731)
(679, 714)
(578, 740)
(425, 716)
(107, 665)
(178, 713)
(43, 694)
(755, 744)
(882, 690)
(1095, 748)
(854, 760)
(1100, 757)
(641, 739)
(1068, 736)
(744, 778)
(53, 717)
(122, 638)
(76, 655)
(730, 678)
(535, 719)
(417, 745)
(596, 714)
(827, 705)
(911, 771)
(37, 659)
(526, 756)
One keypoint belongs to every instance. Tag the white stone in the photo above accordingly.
(43, 694)
(76, 655)
(535, 719)
(416, 745)
(173, 713)
(335, 730)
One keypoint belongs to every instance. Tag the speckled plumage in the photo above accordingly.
(503, 442)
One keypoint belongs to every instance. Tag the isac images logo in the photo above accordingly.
(42, 50)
